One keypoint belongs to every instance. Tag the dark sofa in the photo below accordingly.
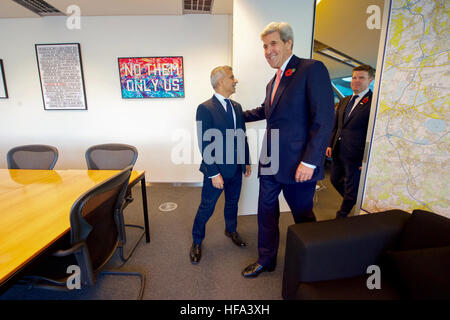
(330, 259)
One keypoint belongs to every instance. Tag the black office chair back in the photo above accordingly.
(116, 156)
(94, 221)
(94, 237)
(111, 156)
(33, 156)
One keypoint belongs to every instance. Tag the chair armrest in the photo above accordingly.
(339, 248)
(72, 250)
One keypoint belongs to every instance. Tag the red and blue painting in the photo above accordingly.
(152, 77)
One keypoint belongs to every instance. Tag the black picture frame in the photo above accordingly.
(61, 76)
(3, 88)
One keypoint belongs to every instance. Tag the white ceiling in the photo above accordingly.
(10, 9)
(340, 24)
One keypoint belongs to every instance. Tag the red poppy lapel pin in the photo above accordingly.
(289, 72)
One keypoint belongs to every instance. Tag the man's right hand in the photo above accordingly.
(217, 181)
(328, 152)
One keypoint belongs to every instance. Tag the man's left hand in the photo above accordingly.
(248, 171)
(303, 173)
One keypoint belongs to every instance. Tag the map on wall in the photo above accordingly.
(409, 159)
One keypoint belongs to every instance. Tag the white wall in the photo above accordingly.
(203, 40)
(253, 72)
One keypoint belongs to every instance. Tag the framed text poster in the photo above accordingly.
(152, 77)
(61, 75)
(3, 90)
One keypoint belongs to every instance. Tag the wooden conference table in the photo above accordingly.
(35, 207)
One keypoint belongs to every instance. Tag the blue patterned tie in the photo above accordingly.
(349, 106)
(230, 112)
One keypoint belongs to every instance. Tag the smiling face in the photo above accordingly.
(227, 85)
(275, 50)
(360, 81)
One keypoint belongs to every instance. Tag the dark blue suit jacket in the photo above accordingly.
(303, 112)
(212, 115)
(352, 130)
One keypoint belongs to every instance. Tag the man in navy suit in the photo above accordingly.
(224, 159)
(299, 111)
(348, 138)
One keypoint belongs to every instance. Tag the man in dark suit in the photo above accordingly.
(224, 160)
(348, 138)
(299, 112)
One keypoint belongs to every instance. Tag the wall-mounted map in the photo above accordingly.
(409, 159)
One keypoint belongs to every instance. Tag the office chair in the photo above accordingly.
(111, 156)
(33, 156)
(94, 237)
(116, 156)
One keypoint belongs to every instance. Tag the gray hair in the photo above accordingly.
(283, 28)
(218, 73)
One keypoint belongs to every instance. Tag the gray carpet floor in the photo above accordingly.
(165, 260)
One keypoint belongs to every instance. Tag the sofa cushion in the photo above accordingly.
(425, 230)
(337, 249)
(354, 288)
(425, 273)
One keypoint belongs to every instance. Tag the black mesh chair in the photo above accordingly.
(95, 220)
(33, 156)
(111, 156)
(116, 156)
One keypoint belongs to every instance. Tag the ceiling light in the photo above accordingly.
(197, 6)
(329, 52)
(40, 7)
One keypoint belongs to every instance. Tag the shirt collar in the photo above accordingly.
(362, 94)
(220, 97)
(286, 63)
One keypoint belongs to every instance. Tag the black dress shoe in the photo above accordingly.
(196, 253)
(237, 240)
(340, 215)
(253, 270)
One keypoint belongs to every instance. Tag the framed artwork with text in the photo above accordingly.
(61, 75)
(151, 77)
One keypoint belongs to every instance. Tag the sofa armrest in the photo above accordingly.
(339, 248)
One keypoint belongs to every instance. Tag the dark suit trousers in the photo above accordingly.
(210, 195)
(345, 178)
(299, 197)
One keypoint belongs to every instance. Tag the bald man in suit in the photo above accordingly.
(224, 162)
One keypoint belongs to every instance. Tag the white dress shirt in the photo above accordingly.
(357, 100)
(224, 105)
